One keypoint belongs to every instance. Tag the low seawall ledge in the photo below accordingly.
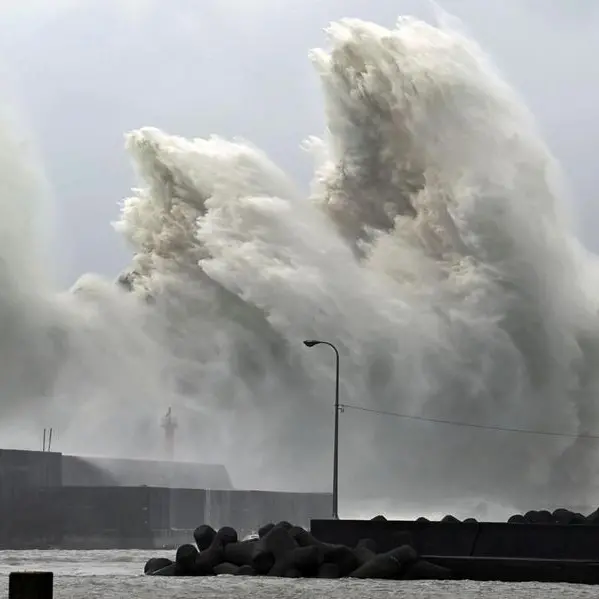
(474, 539)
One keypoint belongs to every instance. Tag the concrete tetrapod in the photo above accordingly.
(283, 550)
(558, 516)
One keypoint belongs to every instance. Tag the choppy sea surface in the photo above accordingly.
(113, 574)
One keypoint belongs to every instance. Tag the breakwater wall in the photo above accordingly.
(474, 539)
(21, 469)
(140, 517)
(80, 471)
(49, 499)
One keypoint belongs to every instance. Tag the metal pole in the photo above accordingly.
(312, 343)
(336, 446)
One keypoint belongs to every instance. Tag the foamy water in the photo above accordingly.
(434, 249)
(115, 574)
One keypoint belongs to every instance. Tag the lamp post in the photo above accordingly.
(312, 343)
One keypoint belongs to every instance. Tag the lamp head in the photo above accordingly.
(311, 342)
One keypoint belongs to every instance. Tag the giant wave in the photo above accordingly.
(435, 250)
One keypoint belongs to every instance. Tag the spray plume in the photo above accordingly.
(434, 251)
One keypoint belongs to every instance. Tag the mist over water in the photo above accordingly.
(435, 251)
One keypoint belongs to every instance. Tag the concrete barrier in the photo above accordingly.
(122, 472)
(484, 539)
(519, 570)
(110, 503)
(30, 585)
(140, 517)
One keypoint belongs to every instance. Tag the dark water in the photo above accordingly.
(115, 574)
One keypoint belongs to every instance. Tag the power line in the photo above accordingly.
(468, 424)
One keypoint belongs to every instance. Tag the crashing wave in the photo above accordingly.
(434, 251)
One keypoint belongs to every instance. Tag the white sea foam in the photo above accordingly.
(435, 251)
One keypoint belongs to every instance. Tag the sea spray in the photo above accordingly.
(435, 252)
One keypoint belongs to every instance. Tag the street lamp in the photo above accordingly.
(312, 343)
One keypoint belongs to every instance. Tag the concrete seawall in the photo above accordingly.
(78, 471)
(51, 500)
(141, 517)
(480, 539)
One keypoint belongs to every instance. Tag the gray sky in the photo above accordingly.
(86, 71)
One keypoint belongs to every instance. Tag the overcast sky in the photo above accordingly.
(86, 71)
